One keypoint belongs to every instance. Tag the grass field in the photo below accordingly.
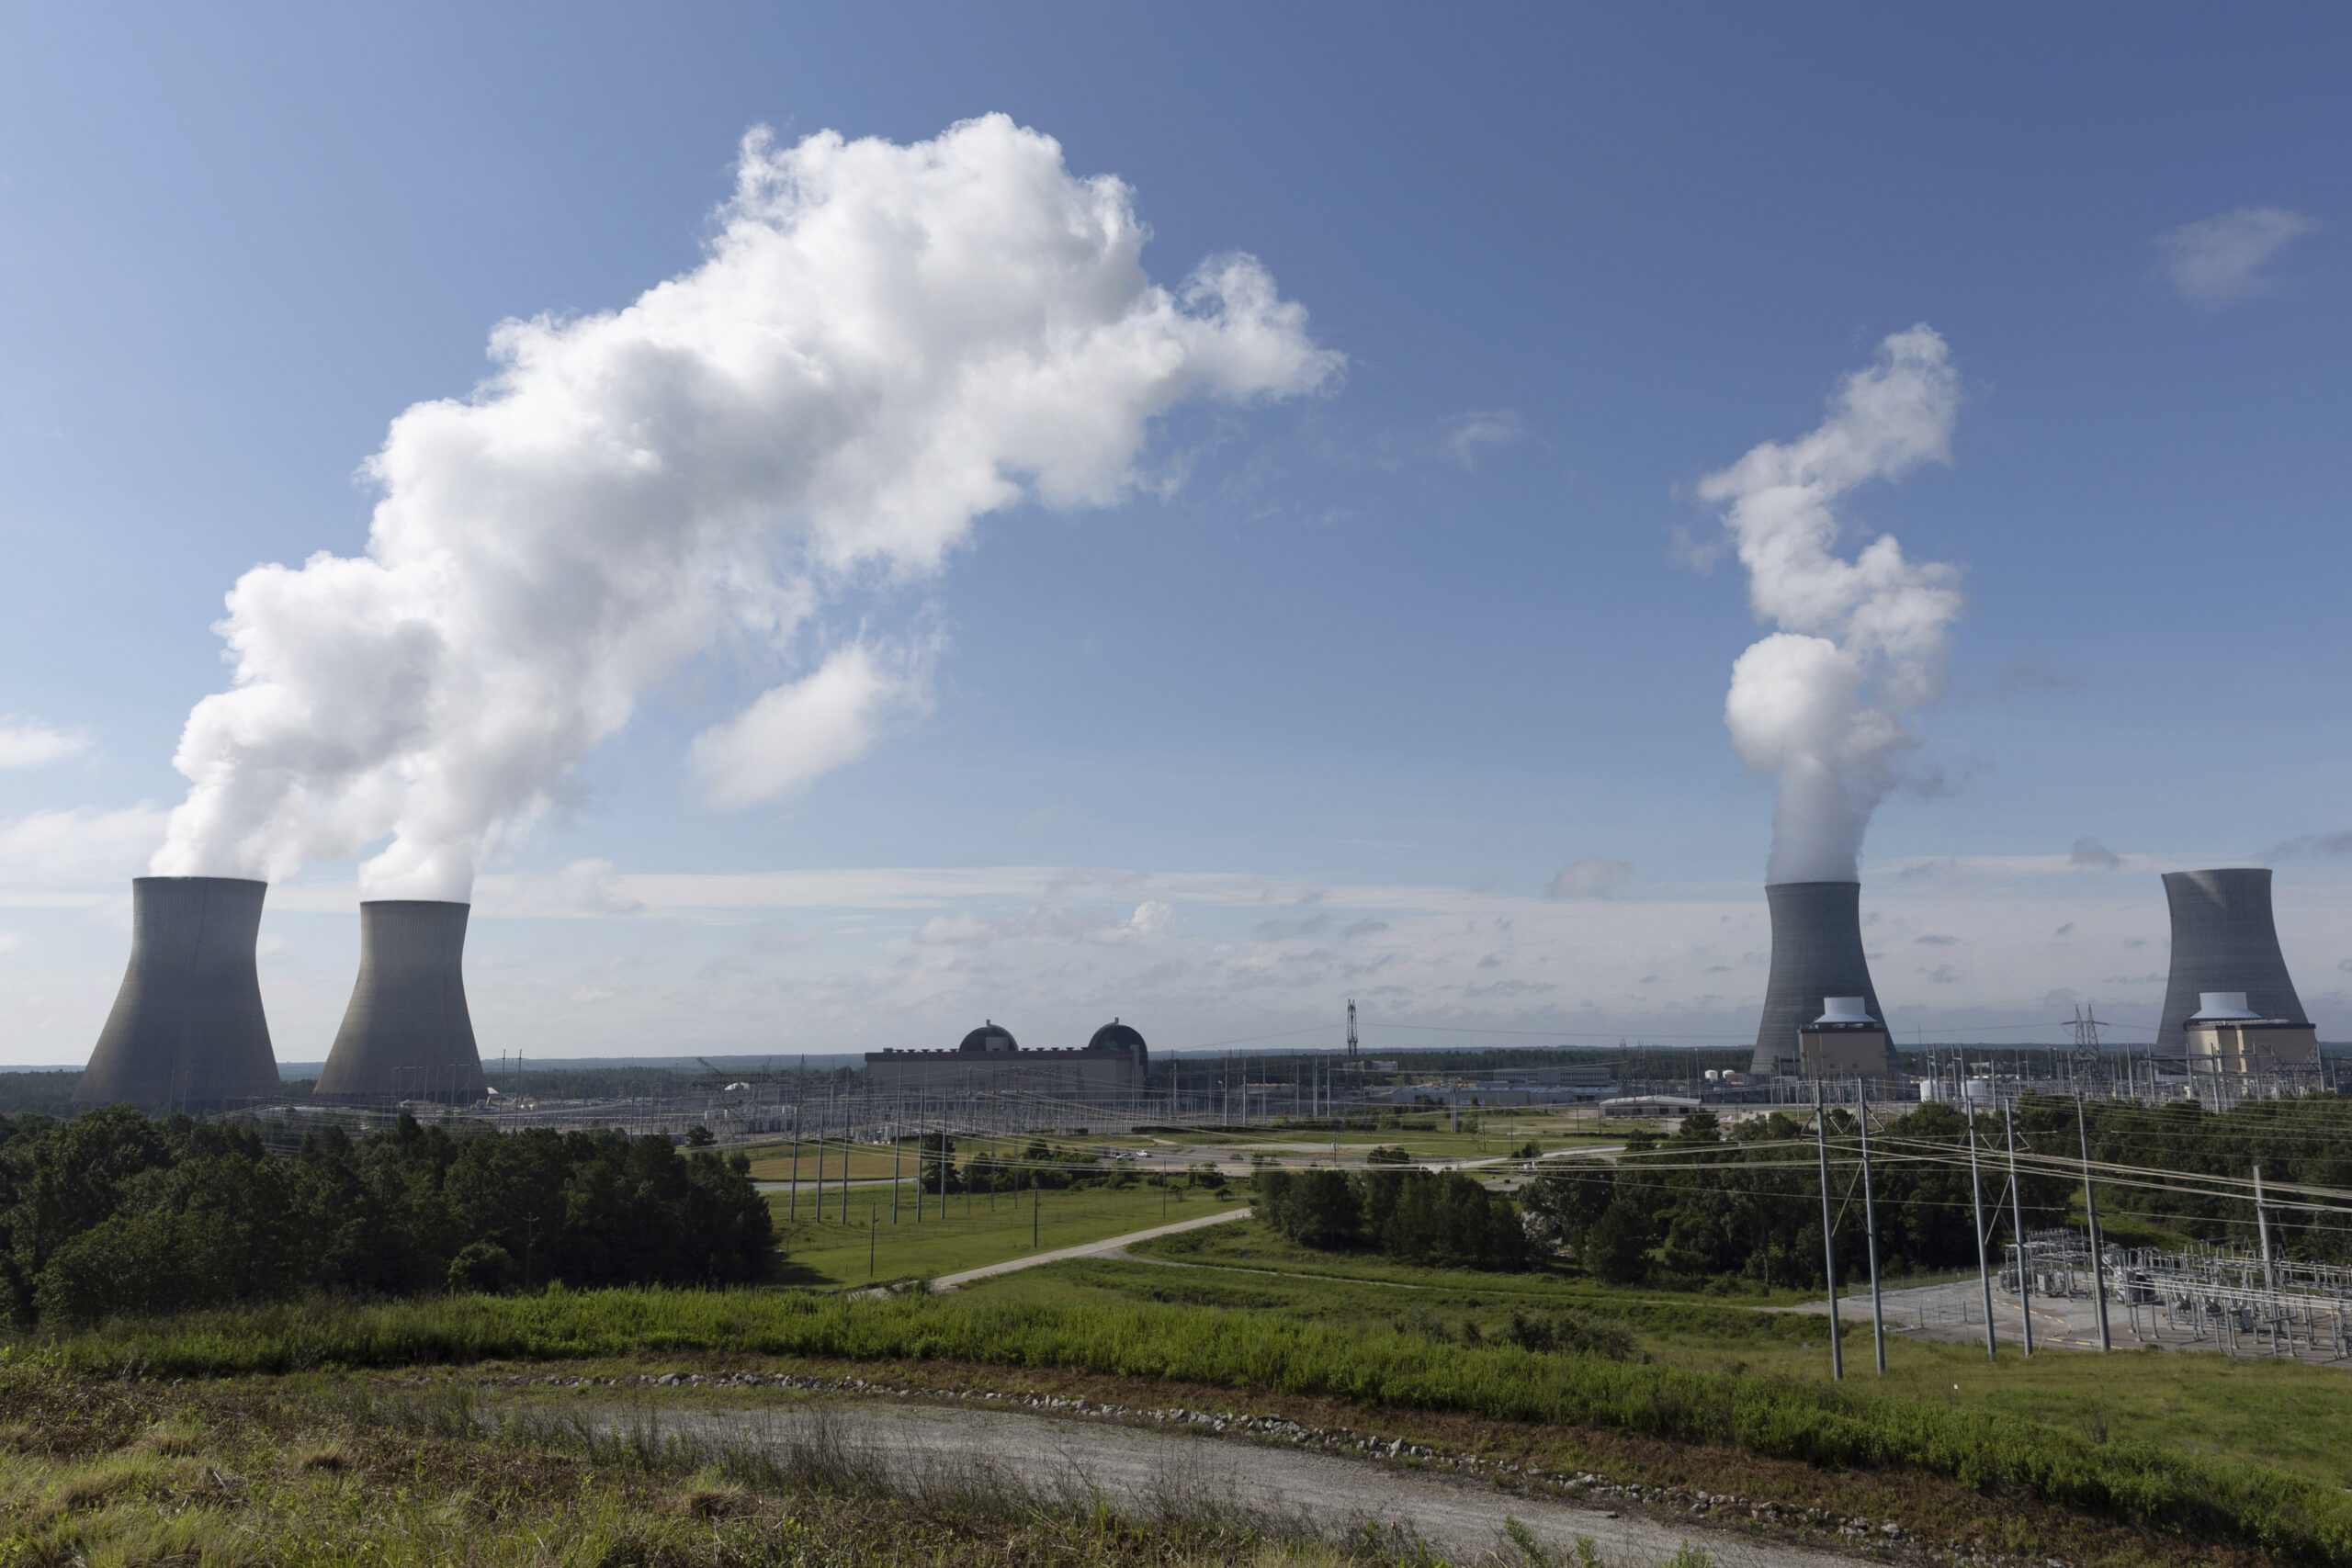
(976, 1231)
(2276, 1413)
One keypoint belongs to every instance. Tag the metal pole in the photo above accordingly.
(1976, 1202)
(2261, 1226)
(2090, 1216)
(1869, 1228)
(820, 1173)
(897, 1146)
(792, 1203)
(1829, 1236)
(873, 1215)
(2017, 1218)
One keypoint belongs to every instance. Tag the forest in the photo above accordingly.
(114, 1213)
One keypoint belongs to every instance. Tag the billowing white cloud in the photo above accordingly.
(30, 743)
(883, 343)
(793, 734)
(1862, 643)
(2218, 259)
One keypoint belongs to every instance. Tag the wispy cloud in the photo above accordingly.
(2313, 844)
(1590, 879)
(2219, 259)
(1469, 435)
(31, 743)
(2091, 855)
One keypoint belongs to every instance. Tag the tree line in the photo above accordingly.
(113, 1212)
(1710, 1205)
(1443, 1220)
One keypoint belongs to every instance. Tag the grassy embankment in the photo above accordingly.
(2273, 1413)
(2121, 1474)
(231, 1474)
(975, 1231)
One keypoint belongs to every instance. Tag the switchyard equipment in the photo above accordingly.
(187, 1031)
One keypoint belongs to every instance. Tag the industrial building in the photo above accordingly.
(407, 1034)
(1817, 956)
(2223, 938)
(2233, 1046)
(187, 1032)
(1114, 1062)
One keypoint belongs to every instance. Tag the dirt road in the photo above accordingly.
(924, 1448)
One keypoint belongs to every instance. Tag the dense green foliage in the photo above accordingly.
(2306, 1141)
(38, 1094)
(1702, 1204)
(2124, 1477)
(114, 1213)
(1446, 1220)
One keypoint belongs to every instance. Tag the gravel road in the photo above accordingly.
(920, 1447)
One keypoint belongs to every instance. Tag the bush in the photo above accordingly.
(483, 1267)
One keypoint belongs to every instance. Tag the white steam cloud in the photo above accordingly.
(1860, 647)
(882, 344)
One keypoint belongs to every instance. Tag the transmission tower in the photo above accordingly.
(1352, 1029)
(2089, 1063)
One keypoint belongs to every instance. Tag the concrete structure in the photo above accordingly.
(1817, 954)
(407, 1034)
(2223, 938)
(1115, 1061)
(1648, 1108)
(2231, 1044)
(187, 1032)
(1845, 1041)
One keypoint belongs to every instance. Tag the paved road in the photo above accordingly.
(1088, 1249)
(925, 1449)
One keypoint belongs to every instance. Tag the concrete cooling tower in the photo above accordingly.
(187, 1032)
(406, 1034)
(2223, 939)
(1817, 954)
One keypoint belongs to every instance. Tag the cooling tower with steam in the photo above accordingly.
(407, 1034)
(1817, 954)
(187, 1032)
(2223, 938)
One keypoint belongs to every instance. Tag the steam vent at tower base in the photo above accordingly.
(187, 1032)
(1817, 959)
(407, 1034)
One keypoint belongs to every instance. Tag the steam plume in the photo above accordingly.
(881, 344)
(1860, 647)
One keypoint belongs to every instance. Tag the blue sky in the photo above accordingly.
(1388, 653)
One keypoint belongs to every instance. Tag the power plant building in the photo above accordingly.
(1115, 1061)
(187, 1032)
(2223, 939)
(1817, 956)
(2231, 1046)
(407, 1034)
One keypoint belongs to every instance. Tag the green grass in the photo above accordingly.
(973, 1234)
(2123, 1474)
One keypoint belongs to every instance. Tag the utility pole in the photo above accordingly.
(897, 1146)
(1870, 1229)
(2017, 1219)
(820, 1174)
(2090, 1217)
(1828, 1234)
(1976, 1203)
(2261, 1226)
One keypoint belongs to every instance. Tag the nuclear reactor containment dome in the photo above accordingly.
(407, 1034)
(988, 1039)
(187, 1032)
(1116, 1037)
(1817, 954)
(2223, 938)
